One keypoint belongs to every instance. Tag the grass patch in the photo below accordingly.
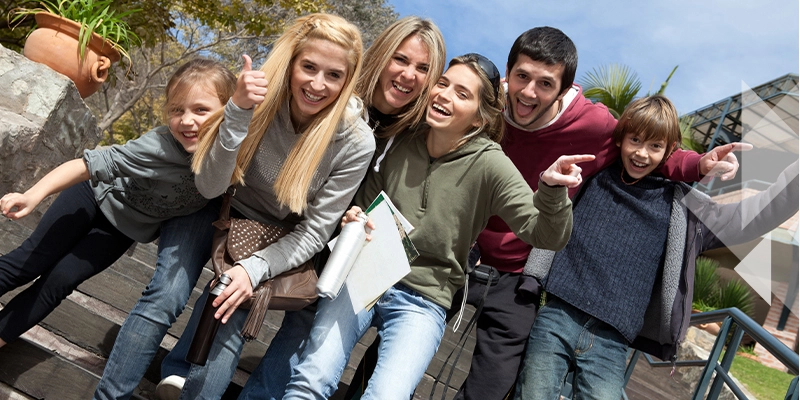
(763, 382)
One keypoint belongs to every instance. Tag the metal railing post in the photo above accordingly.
(791, 393)
(711, 364)
(631, 366)
(727, 360)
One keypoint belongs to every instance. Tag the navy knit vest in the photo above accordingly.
(608, 268)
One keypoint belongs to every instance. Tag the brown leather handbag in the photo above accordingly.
(236, 239)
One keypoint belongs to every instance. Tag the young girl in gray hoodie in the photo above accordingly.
(112, 197)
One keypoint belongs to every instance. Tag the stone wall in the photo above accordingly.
(43, 123)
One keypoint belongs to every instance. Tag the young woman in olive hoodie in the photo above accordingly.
(447, 179)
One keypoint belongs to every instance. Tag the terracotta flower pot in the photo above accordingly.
(55, 44)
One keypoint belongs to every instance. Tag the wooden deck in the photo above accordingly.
(63, 357)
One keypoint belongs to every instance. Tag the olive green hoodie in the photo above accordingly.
(450, 199)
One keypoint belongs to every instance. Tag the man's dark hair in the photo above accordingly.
(550, 46)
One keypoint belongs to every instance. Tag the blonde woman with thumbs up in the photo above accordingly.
(294, 140)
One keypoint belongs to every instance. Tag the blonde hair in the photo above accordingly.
(294, 178)
(491, 102)
(200, 71)
(380, 54)
(654, 118)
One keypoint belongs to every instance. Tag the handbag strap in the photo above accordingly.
(225, 209)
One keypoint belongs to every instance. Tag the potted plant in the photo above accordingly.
(78, 38)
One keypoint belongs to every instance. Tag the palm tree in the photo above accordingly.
(616, 85)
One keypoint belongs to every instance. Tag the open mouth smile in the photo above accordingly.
(310, 97)
(440, 110)
(402, 89)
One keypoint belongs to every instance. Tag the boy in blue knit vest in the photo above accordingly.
(625, 278)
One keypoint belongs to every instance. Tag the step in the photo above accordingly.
(35, 371)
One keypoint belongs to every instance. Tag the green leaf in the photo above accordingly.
(614, 85)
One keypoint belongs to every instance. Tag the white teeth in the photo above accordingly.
(524, 103)
(440, 109)
(312, 97)
(189, 134)
(401, 88)
(638, 164)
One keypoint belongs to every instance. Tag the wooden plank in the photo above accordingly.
(10, 393)
(43, 375)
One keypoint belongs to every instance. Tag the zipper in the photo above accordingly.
(675, 359)
(426, 186)
(698, 232)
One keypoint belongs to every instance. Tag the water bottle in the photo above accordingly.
(343, 255)
(208, 325)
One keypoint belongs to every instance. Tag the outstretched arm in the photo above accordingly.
(735, 223)
(688, 166)
(18, 205)
(721, 161)
(214, 177)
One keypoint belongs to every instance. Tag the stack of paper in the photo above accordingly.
(385, 259)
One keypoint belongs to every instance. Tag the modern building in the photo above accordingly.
(767, 117)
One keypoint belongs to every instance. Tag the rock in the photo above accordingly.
(44, 123)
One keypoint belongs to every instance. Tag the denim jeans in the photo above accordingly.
(563, 336)
(211, 380)
(72, 242)
(269, 379)
(183, 249)
(410, 327)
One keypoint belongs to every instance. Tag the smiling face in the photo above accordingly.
(453, 106)
(641, 157)
(318, 74)
(403, 77)
(533, 92)
(186, 116)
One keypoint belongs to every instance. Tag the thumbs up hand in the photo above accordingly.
(251, 86)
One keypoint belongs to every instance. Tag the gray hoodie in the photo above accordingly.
(339, 173)
(143, 182)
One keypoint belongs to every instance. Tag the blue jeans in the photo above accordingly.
(269, 379)
(410, 327)
(563, 336)
(183, 250)
(211, 380)
(72, 242)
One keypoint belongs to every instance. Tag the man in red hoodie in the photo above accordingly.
(546, 116)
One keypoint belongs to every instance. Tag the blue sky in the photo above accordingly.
(717, 44)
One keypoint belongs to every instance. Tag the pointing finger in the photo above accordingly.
(576, 158)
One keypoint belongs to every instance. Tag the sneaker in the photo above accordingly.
(170, 387)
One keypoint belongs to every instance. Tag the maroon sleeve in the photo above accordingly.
(597, 139)
(682, 166)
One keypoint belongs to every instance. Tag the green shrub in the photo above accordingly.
(737, 294)
(706, 283)
(710, 295)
